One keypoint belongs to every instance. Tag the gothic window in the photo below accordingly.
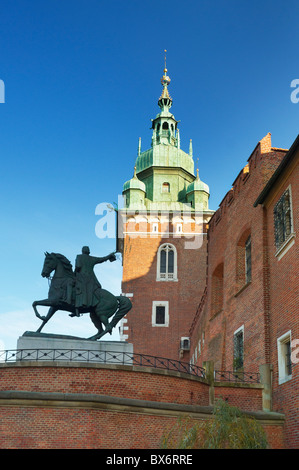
(160, 313)
(239, 349)
(167, 263)
(282, 219)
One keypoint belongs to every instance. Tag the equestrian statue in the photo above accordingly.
(80, 292)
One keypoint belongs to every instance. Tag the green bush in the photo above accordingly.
(229, 428)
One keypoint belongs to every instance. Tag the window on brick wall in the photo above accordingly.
(248, 260)
(167, 263)
(243, 260)
(217, 289)
(160, 313)
(239, 349)
(284, 358)
(283, 223)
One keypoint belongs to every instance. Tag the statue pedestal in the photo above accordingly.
(48, 347)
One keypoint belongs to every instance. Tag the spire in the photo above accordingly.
(165, 125)
(165, 100)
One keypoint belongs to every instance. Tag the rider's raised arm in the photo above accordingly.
(98, 260)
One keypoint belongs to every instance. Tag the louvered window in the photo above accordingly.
(282, 219)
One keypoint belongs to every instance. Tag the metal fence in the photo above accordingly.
(123, 358)
(104, 357)
(230, 376)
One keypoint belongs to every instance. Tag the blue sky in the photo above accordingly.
(82, 81)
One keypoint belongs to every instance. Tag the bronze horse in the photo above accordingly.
(64, 279)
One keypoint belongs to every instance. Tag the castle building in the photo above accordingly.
(163, 232)
(217, 287)
(248, 319)
(215, 303)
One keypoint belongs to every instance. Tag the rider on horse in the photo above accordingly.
(88, 288)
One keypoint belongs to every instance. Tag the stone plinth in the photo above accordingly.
(48, 347)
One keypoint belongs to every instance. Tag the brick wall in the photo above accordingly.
(267, 306)
(83, 406)
(140, 279)
(120, 382)
(284, 301)
(243, 304)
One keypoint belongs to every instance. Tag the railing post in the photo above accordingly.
(209, 368)
(266, 380)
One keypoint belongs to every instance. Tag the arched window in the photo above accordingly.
(167, 263)
(165, 126)
(165, 188)
(243, 267)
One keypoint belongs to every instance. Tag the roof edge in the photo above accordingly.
(279, 170)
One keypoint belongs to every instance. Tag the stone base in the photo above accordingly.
(48, 347)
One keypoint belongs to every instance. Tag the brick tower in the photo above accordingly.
(162, 237)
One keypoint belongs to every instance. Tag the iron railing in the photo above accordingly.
(231, 376)
(123, 358)
(104, 357)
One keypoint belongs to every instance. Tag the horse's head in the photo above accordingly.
(57, 262)
(50, 264)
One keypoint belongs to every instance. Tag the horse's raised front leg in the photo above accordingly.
(50, 313)
(42, 303)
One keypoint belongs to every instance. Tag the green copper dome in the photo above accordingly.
(164, 174)
(198, 185)
(134, 183)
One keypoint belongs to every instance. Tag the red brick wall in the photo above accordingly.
(268, 306)
(62, 428)
(140, 279)
(65, 428)
(284, 302)
(243, 304)
(105, 381)
(53, 422)
(247, 399)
